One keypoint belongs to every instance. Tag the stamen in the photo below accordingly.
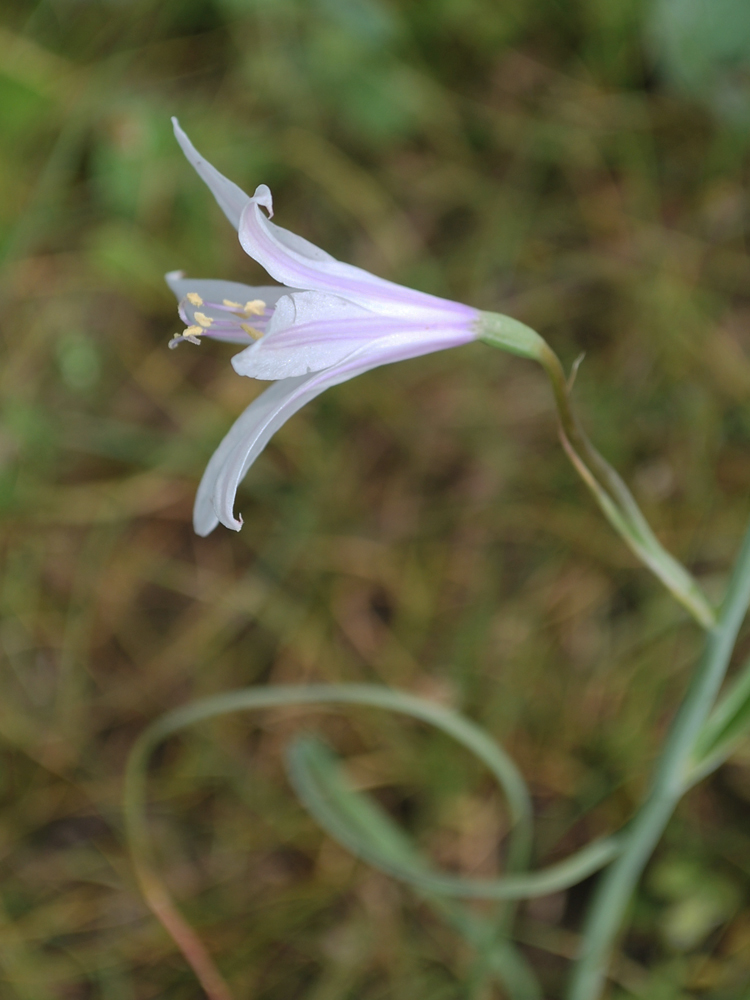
(191, 333)
(256, 307)
(226, 326)
(255, 334)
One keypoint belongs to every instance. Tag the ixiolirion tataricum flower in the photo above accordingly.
(325, 323)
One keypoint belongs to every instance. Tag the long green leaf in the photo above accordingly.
(725, 728)
(351, 817)
(358, 823)
(615, 890)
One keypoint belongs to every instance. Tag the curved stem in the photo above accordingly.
(608, 488)
(461, 729)
(183, 935)
(617, 502)
(669, 784)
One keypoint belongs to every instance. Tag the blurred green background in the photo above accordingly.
(581, 165)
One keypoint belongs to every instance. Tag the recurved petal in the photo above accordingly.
(255, 427)
(293, 242)
(247, 436)
(231, 199)
(300, 264)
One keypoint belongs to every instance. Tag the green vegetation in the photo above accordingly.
(580, 166)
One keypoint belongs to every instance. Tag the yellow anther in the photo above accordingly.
(255, 334)
(232, 305)
(255, 308)
(192, 331)
(194, 298)
(203, 319)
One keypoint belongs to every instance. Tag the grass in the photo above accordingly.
(418, 527)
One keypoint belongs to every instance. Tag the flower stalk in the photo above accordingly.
(154, 891)
(610, 492)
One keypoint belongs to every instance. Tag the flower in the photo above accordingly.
(325, 323)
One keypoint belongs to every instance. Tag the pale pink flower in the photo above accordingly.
(325, 323)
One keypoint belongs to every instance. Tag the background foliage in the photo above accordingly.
(581, 165)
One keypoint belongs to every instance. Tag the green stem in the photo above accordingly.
(669, 784)
(617, 502)
(608, 488)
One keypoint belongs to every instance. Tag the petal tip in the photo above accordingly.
(204, 524)
(178, 130)
(264, 197)
(226, 517)
(230, 198)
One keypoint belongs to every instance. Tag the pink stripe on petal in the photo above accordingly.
(277, 251)
(310, 347)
